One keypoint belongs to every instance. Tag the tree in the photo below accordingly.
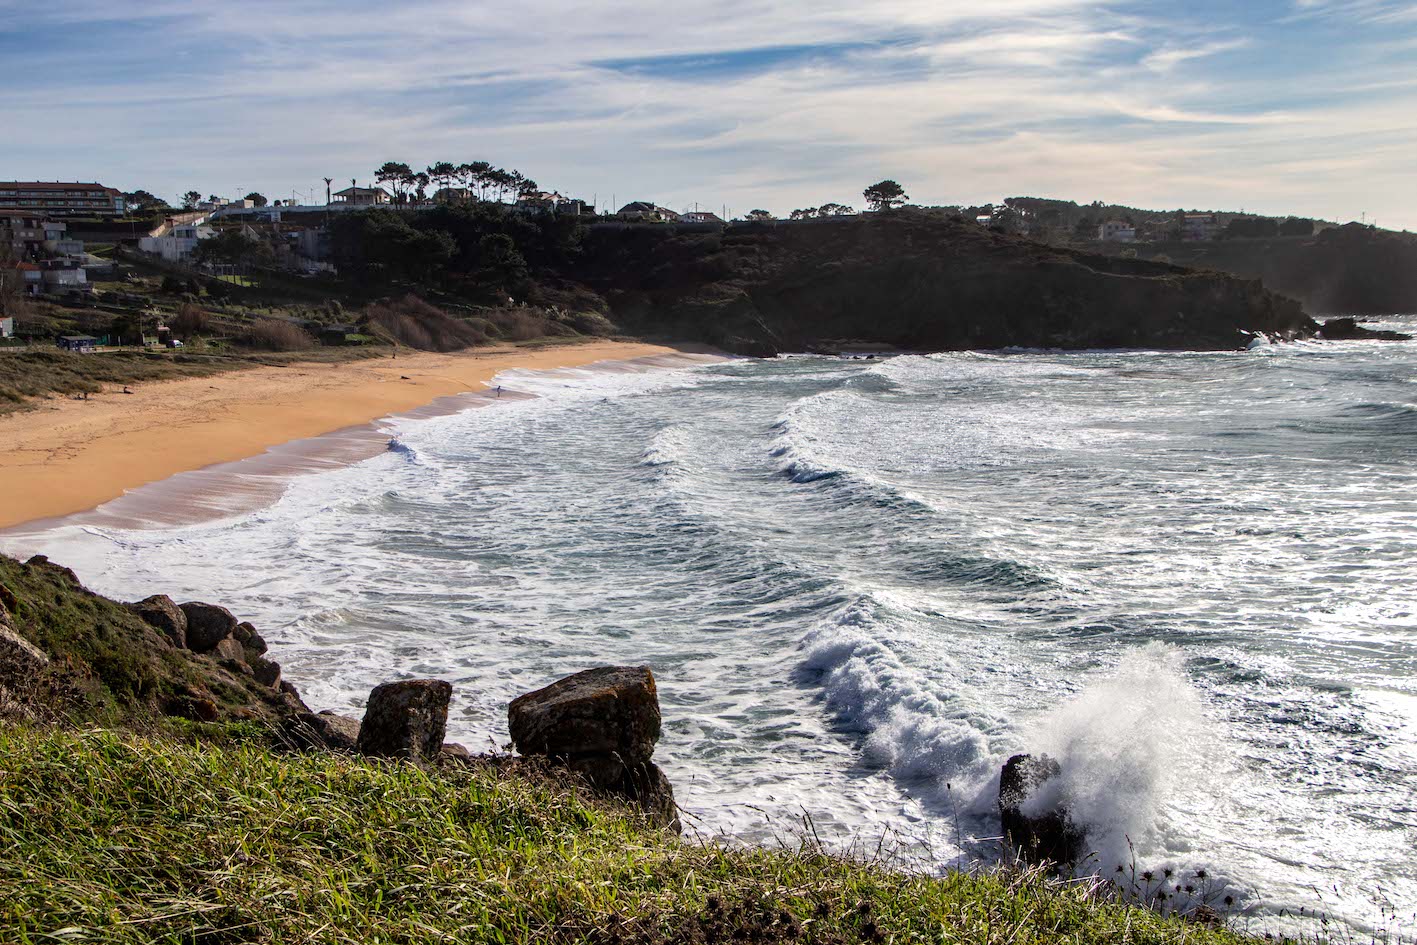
(191, 198)
(834, 210)
(232, 247)
(886, 195)
(443, 174)
(397, 176)
(806, 214)
(256, 199)
(760, 216)
(142, 200)
(499, 260)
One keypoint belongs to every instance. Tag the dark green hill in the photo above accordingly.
(914, 280)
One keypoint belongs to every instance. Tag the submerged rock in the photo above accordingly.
(1348, 329)
(207, 625)
(406, 719)
(603, 725)
(1038, 836)
(161, 613)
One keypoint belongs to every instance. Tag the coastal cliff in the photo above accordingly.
(1343, 270)
(917, 281)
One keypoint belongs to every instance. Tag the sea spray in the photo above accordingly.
(1132, 740)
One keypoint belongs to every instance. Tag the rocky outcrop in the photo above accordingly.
(160, 612)
(1045, 835)
(1348, 329)
(406, 720)
(602, 724)
(20, 660)
(207, 625)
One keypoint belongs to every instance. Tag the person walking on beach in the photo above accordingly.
(499, 391)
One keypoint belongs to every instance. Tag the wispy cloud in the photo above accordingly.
(742, 102)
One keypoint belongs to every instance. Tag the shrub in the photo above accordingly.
(191, 320)
(413, 322)
(273, 334)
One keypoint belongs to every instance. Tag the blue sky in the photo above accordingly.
(1273, 106)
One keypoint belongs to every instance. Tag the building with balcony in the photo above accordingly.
(57, 198)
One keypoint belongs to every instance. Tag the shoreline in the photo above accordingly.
(252, 430)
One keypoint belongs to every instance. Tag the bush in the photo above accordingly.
(413, 322)
(273, 334)
(191, 320)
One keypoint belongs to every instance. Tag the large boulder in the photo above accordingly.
(250, 639)
(160, 613)
(1037, 832)
(406, 719)
(207, 625)
(601, 724)
(266, 671)
(609, 711)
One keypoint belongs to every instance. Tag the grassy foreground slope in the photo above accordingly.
(114, 837)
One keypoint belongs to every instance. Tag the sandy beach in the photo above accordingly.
(69, 456)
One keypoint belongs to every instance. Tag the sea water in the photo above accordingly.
(864, 584)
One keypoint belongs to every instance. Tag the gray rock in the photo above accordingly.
(160, 613)
(322, 731)
(207, 625)
(406, 719)
(452, 751)
(1044, 836)
(613, 710)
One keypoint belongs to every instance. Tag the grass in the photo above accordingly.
(109, 837)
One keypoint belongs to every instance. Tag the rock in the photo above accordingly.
(160, 613)
(267, 672)
(196, 704)
(1348, 329)
(231, 651)
(613, 710)
(43, 563)
(1043, 836)
(250, 638)
(452, 751)
(20, 660)
(322, 731)
(603, 725)
(207, 625)
(406, 719)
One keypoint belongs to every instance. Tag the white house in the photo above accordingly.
(7, 327)
(1117, 231)
(176, 243)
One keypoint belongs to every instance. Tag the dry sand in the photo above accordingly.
(68, 455)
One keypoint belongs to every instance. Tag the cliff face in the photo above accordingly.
(1346, 270)
(915, 281)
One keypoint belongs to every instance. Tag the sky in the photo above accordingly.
(1306, 107)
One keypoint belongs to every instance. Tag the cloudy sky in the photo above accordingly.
(1273, 106)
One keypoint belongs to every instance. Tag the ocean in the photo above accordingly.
(864, 584)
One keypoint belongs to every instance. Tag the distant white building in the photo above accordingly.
(1199, 227)
(7, 327)
(177, 242)
(1117, 231)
